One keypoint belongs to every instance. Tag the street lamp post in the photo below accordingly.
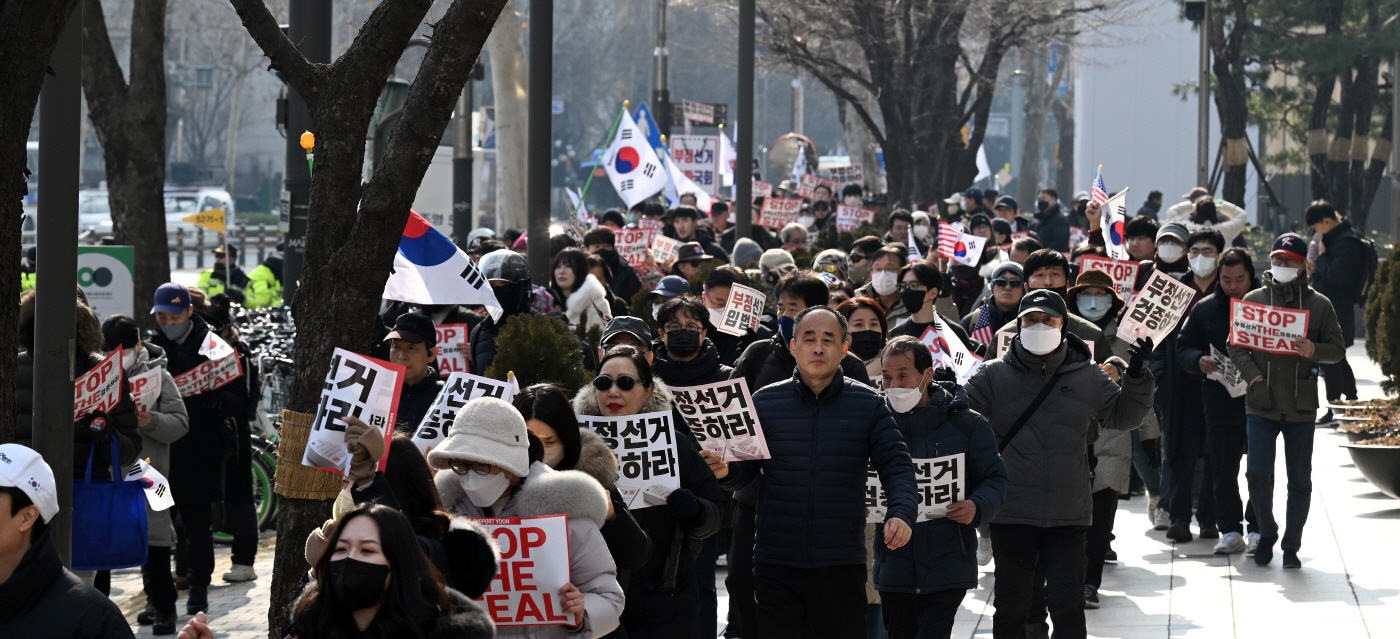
(743, 138)
(1199, 12)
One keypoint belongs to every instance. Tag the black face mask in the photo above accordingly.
(1041, 205)
(867, 344)
(682, 343)
(913, 301)
(513, 297)
(355, 583)
(1062, 291)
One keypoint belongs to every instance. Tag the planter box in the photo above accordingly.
(1380, 465)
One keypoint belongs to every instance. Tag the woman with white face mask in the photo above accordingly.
(1093, 298)
(922, 584)
(484, 471)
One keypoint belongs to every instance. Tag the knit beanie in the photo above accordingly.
(487, 431)
(746, 251)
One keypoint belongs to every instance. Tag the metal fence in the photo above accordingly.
(195, 248)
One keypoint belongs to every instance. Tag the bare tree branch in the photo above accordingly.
(302, 75)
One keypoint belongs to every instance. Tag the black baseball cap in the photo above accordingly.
(1290, 245)
(414, 328)
(1043, 300)
(1006, 201)
(634, 326)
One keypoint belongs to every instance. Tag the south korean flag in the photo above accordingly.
(632, 165)
(430, 269)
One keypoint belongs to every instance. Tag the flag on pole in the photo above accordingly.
(982, 328)
(799, 168)
(726, 159)
(1099, 192)
(947, 239)
(967, 249)
(430, 269)
(632, 165)
(678, 184)
(914, 256)
(1114, 222)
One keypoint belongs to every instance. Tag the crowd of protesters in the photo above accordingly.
(1057, 425)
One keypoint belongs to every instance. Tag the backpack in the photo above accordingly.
(1370, 261)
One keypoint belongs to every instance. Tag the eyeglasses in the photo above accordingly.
(857, 258)
(463, 467)
(1005, 283)
(910, 287)
(689, 328)
(624, 383)
(1209, 251)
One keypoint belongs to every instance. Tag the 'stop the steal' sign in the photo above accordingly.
(633, 245)
(451, 358)
(459, 389)
(850, 217)
(721, 416)
(940, 481)
(645, 446)
(99, 389)
(534, 567)
(356, 386)
(741, 311)
(1267, 328)
(1123, 272)
(779, 212)
(1156, 310)
(212, 374)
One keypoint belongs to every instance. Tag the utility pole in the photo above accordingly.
(743, 138)
(661, 96)
(1199, 12)
(539, 145)
(309, 27)
(55, 307)
(462, 164)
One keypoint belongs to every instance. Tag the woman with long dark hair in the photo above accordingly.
(578, 293)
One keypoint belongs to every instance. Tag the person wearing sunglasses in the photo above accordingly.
(862, 249)
(660, 602)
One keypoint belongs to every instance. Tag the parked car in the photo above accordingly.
(95, 211)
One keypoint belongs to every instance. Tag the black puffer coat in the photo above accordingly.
(704, 369)
(197, 459)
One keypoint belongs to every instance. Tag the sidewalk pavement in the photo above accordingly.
(236, 611)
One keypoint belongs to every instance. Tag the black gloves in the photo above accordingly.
(1140, 351)
(682, 504)
(99, 426)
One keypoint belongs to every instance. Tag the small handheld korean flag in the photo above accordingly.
(632, 165)
(968, 249)
(914, 256)
(1114, 222)
(215, 348)
(430, 269)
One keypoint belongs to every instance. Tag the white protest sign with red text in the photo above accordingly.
(762, 189)
(209, 375)
(742, 310)
(632, 245)
(145, 389)
(779, 212)
(850, 217)
(99, 389)
(534, 566)
(1267, 328)
(663, 250)
(1123, 272)
(451, 359)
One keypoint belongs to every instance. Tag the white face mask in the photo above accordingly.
(553, 455)
(716, 316)
(1169, 252)
(1093, 307)
(807, 221)
(484, 490)
(851, 200)
(920, 231)
(128, 359)
(1283, 274)
(1041, 339)
(1203, 266)
(903, 400)
(884, 281)
(655, 310)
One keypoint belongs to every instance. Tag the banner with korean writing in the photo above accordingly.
(533, 568)
(722, 417)
(99, 389)
(697, 156)
(632, 245)
(145, 389)
(451, 357)
(742, 310)
(850, 217)
(1267, 328)
(645, 445)
(157, 489)
(1156, 311)
(1227, 373)
(209, 375)
(1123, 272)
(459, 389)
(355, 386)
(948, 350)
(779, 212)
(938, 481)
(843, 175)
(663, 250)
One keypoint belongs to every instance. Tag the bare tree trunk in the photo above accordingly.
(1228, 66)
(509, 75)
(1339, 152)
(235, 117)
(130, 122)
(1325, 84)
(1365, 86)
(1063, 108)
(860, 142)
(1380, 156)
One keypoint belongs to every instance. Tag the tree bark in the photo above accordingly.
(1063, 108)
(1228, 65)
(1365, 86)
(509, 74)
(1380, 157)
(1339, 152)
(28, 34)
(129, 119)
(1324, 84)
(1028, 176)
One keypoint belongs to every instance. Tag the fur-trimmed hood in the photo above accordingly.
(596, 459)
(544, 492)
(591, 301)
(586, 400)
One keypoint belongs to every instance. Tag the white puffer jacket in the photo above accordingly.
(590, 303)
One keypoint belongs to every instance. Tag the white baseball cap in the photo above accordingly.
(24, 469)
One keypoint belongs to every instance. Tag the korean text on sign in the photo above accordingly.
(99, 389)
(850, 217)
(632, 245)
(355, 386)
(459, 389)
(451, 359)
(939, 482)
(1123, 272)
(534, 566)
(1226, 373)
(1157, 309)
(645, 445)
(742, 310)
(209, 375)
(698, 157)
(663, 250)
(145, 389)
(779, 212)
(722, 417)
(1267, 328)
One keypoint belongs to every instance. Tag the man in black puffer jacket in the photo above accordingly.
(823, 431)
(683, 355)
(1341, 276)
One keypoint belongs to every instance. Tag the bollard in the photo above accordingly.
(199, 248)
(262, 243)
(180, 248)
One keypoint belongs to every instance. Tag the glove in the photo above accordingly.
(99, 426)
(316, 541)
(682, 504)
(366, 446)
(944, 374)
(1139, 352)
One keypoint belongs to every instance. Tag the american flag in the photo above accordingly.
(1099, 192)
(982, 329)
(947, 239)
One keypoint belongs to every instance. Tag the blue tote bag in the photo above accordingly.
(110, 530)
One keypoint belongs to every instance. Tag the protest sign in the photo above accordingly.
(843, 175)
(663, 250)
(1156, 311)
(1267, 328)
(1123, 272)
(649, 274)
(651, 224)
(451, 358)
(697, 156)
(99, 389)
(938, 481)
(722, 417)
(459, 389)
(209, 375)
(742, 310)
(145, 389)
(534, 566)
(779, 212)
(762, 189)
(632, 245)
(1227, 373)
(850, 217)
(645, 445)
(355, 386)
(157, 488)
(950, 351)
(1003, 340)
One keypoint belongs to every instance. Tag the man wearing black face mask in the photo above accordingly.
(919, 285)
(683, 354)
(509, 275)
(1051, 224)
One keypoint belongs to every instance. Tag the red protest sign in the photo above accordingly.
(1267, 328)
(632, 245)
(210, 375)
(452, 359)
(651, 224)
(779, 212)
(850, 217)
(100, 388)
(1123, 272)
(534, 567)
